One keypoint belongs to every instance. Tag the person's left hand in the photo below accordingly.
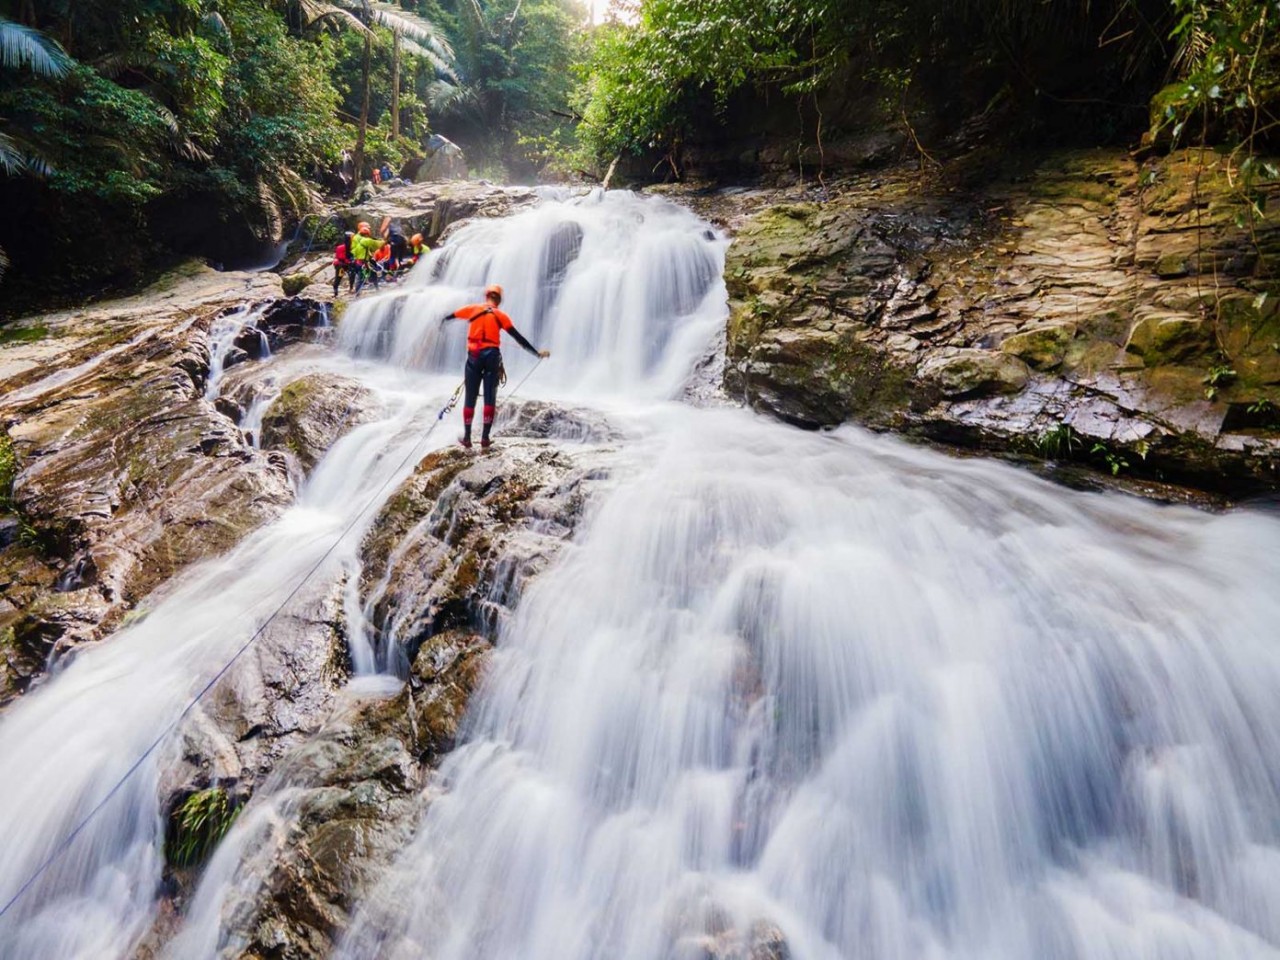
(543, 354)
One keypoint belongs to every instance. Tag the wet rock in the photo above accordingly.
(312, 413)
(975, 373)
(431, 208)
(339, 806)
(125, 473)
(1161, 339)
(1043, 347)
(295, 320)
(455, 543)
(984, 317)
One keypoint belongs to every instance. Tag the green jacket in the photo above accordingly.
(363, 248)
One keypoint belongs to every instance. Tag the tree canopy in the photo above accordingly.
(132, 131)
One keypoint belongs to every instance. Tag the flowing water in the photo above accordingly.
(825, 690)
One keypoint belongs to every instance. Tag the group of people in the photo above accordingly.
(364, 258)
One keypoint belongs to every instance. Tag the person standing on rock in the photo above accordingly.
(484, 358)
(362, 248)
(344, 265)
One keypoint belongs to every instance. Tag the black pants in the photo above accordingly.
(341, 270)
(482, 368)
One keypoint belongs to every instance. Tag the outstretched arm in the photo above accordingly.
(519, 338)
(449, 316)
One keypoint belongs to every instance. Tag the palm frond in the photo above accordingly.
(342, 18)
(113, 64)
(410, 26)
(4, 261)
(318, 12)
(18, 156)
(12, 160)
(454, 100)
(22, 46)
(181, 144)
(443, 66)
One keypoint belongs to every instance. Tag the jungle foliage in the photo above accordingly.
(136, 131)
(669, 68)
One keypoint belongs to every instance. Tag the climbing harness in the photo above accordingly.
(66, 842)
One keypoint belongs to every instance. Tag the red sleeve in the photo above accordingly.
(503, 320)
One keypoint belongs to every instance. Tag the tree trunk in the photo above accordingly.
(364, 107)
(395, 84)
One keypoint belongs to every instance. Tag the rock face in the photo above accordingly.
(312, 413)
(1120, 301)
(455, 543)
(445, 160)
(337, 809)
(123, 472)
(431, 208)
(446, 555)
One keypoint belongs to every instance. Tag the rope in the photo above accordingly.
(514, 390)
(66, 842)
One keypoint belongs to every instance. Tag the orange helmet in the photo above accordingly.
(363, 228)
(493, 290)
(416, 239)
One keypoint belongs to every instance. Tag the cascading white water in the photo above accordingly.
(65, 745)
(886, 704)
(222, 340)
(625, 292)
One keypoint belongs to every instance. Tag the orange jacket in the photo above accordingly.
(487, 324)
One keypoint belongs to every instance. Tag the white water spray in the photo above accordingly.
(874, 701)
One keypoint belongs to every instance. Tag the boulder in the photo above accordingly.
(975, 373)
(295, 283)
(1169, 338)
(1042, 347)
(445, 160)
(312, 413)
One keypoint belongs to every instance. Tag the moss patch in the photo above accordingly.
(14, 334)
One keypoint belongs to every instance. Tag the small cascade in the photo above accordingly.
(237, 330)
(251, 423)
(625, 291)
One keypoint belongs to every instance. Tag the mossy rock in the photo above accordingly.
(1167, 338)
(975, 373)
(295, 283)
(312, 413)
(1041, 347)
(1171, 266)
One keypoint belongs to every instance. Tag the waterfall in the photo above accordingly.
(223, 335)
(871, 702)
(786, 694)
(625, 292)
(64, 745)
